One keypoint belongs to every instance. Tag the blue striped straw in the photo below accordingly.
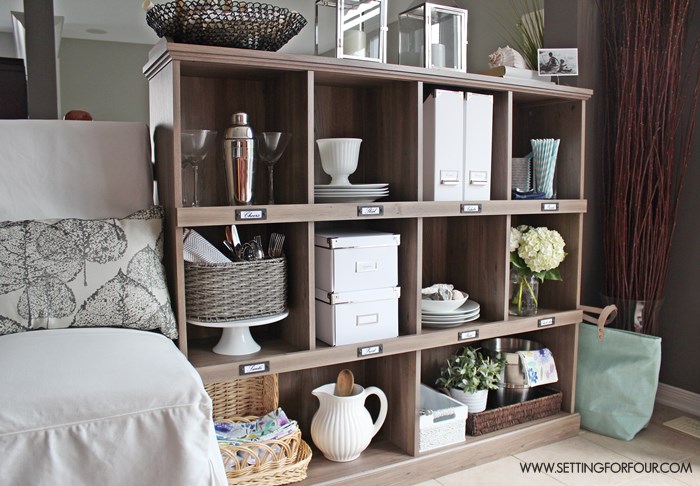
(544, 153)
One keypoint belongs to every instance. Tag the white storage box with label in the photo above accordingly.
(478, 131)
(356, 260)
(358, 316)
(442, 420)
(457, 135)
(443, 146)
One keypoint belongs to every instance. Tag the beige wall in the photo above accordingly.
(7, 45)
(105, 79)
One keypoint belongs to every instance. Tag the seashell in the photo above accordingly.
(438, 292)
(507, 56)
(458, 295)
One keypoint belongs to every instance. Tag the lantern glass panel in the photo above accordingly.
(362, 29)
(446, 39)
(412, 37)
(433, 36)
(353, 29)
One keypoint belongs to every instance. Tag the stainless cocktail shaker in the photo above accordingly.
(239, 159)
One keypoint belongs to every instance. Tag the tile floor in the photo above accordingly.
(655, 444)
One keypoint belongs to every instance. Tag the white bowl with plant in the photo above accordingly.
(469, 375)
(430, 302)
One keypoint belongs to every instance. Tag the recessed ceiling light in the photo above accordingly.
(96, 31)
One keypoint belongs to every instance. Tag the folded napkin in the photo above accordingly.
(538, 367)
(196, 249)
(274, 425)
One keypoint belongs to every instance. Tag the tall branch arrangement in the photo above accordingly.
(651, 94)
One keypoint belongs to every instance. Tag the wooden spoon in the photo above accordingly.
(345, 384)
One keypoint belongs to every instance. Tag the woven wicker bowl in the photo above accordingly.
(216, 292)
(226, 23)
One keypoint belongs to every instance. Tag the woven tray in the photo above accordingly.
(225, 23)
(266, 463)
(500, 418)
(216, 292)
(276, 473)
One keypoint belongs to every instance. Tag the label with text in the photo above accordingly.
(550, 207)
(251, 214)
(370, 210)
(250, 369)
(370, 350)
(470, 208)
(545, 321)
(464, 335)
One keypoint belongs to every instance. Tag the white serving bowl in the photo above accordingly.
(442, 306)
(339, 158)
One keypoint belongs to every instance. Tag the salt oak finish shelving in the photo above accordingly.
(464, 243)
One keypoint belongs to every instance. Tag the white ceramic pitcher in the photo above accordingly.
(342, 427)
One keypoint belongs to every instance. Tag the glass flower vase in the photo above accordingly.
(524, 288)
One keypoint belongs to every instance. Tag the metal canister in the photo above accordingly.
(239, 159)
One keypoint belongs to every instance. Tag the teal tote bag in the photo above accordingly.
(616, 380)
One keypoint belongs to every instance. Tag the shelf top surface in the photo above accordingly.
(280, 356)
(197, 60)
(290, 213)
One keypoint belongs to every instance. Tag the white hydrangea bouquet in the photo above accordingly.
(534, 252)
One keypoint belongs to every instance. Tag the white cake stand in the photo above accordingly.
(236, 339)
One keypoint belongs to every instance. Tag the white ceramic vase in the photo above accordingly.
(342, 427)
(475, 402)
(339, 158)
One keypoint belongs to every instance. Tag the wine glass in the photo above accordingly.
(271, 145)
(195, 145)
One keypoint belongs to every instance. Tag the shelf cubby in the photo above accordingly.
(562, 294)
(394, 375)
(385, 116)
(274, 102)
(559, 119)
(471, 254)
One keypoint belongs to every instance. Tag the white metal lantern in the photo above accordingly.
(443, 29)
(351, 29)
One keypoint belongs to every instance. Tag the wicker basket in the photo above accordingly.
(518, 413)
(256, 395)
(266, 463)
(216, 292)
(226, 23)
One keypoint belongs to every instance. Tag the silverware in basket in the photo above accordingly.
(233, 243)
(274, 248)
(258, 247)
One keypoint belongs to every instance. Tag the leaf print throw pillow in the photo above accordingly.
(84, 273)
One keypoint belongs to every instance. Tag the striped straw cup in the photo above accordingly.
(544, 152)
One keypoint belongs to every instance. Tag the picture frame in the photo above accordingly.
(557, 62)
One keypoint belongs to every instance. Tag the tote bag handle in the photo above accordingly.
(605, 316)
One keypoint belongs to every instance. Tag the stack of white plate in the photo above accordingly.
(326, 193)
(467, 312)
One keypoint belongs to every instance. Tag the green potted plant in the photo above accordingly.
(469, 375)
